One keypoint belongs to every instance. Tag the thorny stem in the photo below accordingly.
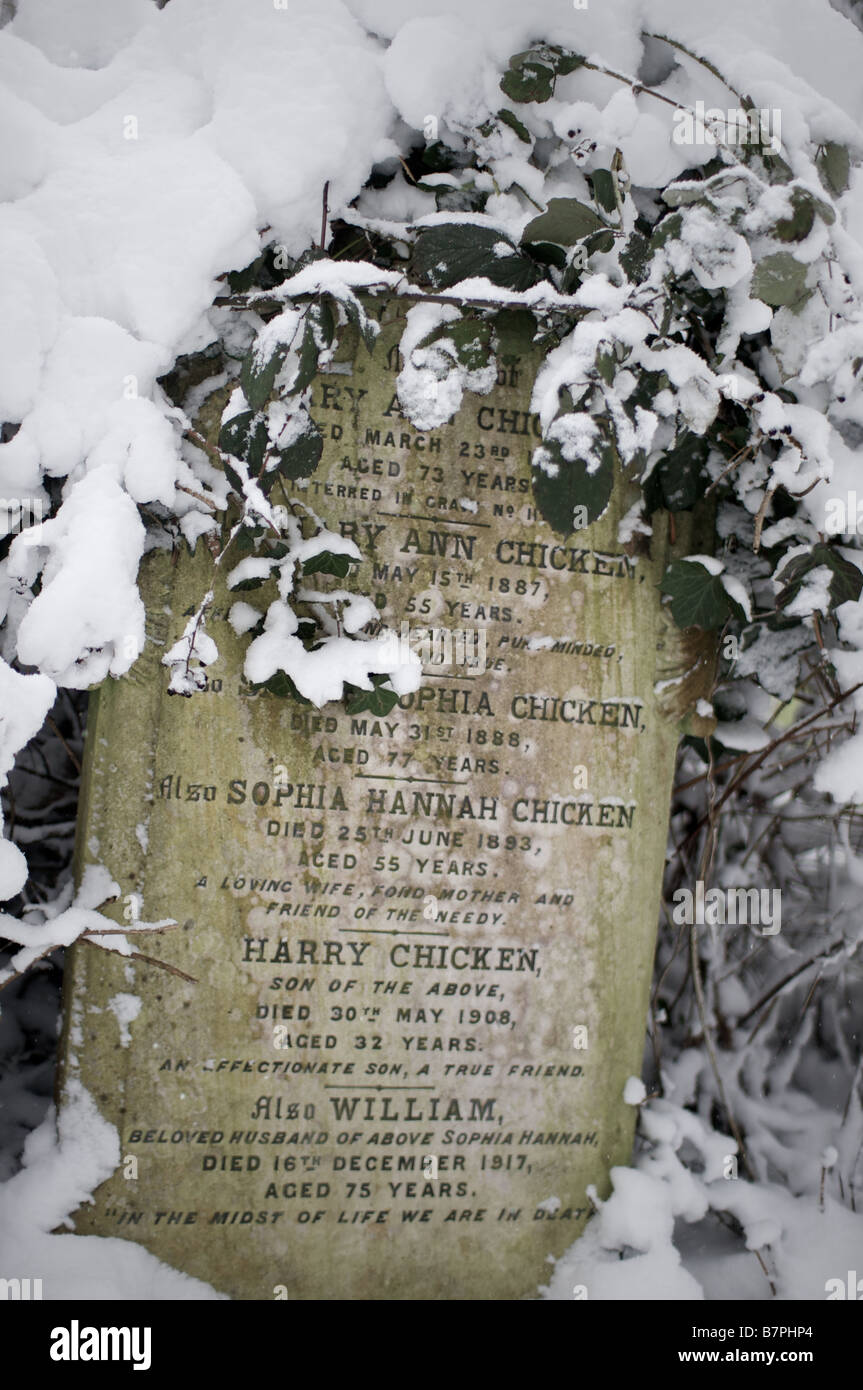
(705, 63)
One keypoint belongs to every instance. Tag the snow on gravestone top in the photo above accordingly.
(422, 943)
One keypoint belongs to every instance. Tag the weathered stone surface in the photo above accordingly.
(449, 914)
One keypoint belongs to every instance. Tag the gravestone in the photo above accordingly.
(421, 944)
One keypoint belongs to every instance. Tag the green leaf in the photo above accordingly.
(698, 598)
(677, 480)
(548, 254)
(378, 701)
(281, 684)
(308, 359)
(606, 365)
(599, 241)
(458, 251)
(573, 486)
(845, 585)
(329, 562)
(257, 375)
(669, 227)
(834, 166)
(240, 281)
(367, 327)
(798, 223)
(678, 195)
(779, 279)
(514, 331)
(511, 119)
(565, 221)
(635, 256)
(565, 61)
(245, 436)
(301, 458)
(470, 337)
(779, 170)
(277, 549)
(318, 333)
(245, 585)
(528, 79)
(602, 181)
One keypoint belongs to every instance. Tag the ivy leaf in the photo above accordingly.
(458, 251)
(244, 585)
(565, 221)
(845, 585)
(277, 549)
(698, 598)
(378, 701)
(527, 79)
(511, 119)
(572, 486)
(834, 166)
(602, 182)
(779, 280)
(281, 684)
(677, 481)
(329, 562)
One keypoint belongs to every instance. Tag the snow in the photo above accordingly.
(320, 675)
(149, 151)
(65, 1159)
(89, 596)
(432, 382)
(125, 1008)
(635, 1091)
(434, 68)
